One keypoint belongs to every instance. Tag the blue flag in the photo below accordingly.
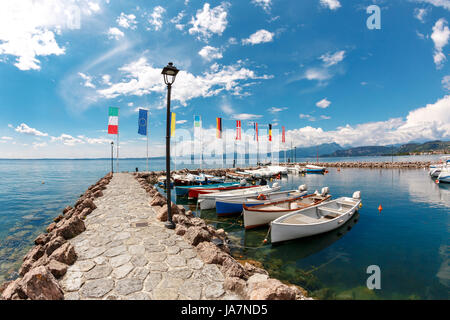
(143, 117)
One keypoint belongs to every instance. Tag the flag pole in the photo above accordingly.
(147, 140)
(118, 116)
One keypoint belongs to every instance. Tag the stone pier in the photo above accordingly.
(126, 253)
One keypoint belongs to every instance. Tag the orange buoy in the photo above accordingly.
(338, 169)
(437, 181)
(380, 208)
(265, 240)
(326, 171)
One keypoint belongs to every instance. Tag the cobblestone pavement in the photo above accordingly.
(126, 253)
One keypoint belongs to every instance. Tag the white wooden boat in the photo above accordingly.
(444, 176)
(208, 200)
(260, 215)
(315, 220)
(234, 205)
(436, 169)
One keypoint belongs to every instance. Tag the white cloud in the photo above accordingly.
(39, 145)
(226, 108)
(446, 82)
(307, 116)
(28, 27)
(142, 78)
(431, 122)
(325, 117)
(331, 4)
(127, 21)
(438, 3)
(265, 4)
(176, 20)
(87, 80)
(260, 36)
(440, 37)
(324, 103)
(6, 138)
(67, 140)
(23, 128)
(10, 126)
(317, 74)
(181, 121)
(106, 79)
(246, 116)
(332, 59)
(156, 17)
(210, 21)
(115, 33)
(276, 110)
(420, 13)
(210, 53)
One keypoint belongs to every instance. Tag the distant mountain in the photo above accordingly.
(405, 149)
(307, 152)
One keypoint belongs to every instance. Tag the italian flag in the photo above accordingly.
(113, 121)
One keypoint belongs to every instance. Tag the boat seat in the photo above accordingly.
(334, 212)
(346, 203)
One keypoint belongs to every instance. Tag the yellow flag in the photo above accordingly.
(173, 122)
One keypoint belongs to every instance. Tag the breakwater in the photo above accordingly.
(112, 245)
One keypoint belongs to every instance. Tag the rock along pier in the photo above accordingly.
(113, 245)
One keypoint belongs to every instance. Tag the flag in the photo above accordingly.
(113, 120)
(219, 128)
(238, 130)
(256, 131)
(173, 123)
(283, 137)
(142, 123)
(197, 121)
(270, 132)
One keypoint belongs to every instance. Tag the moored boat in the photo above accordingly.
(314, 169)
(260, 215)
(444, 176)
(314, 220)
(234, 205)
(194, 193)
(184, 190)
(208, 201)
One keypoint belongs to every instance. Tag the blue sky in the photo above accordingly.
(312, 66)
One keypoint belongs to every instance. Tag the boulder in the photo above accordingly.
(54, 244)
(14, 291)
(58, 218)
(163, 214)
(51, 227)
(88, 203)
(35, 253)
(231, 268)
(65, 254)
(180, 219)
(180, 229)
(195, 235)
(251, 269)
(83, 214)
(40, 284)
(98, 194)
(66, 209)
(58, 269)
(210, 253)
(71, 228)
(271, 289)
(42, 239)
(158, 200)
(236, 285)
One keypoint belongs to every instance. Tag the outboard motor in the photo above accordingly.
(243, 182)
(302, 188)
(316, 192)
(275, 185)
(357, 195)
(325, 191)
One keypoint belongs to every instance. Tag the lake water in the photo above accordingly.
(408, 240)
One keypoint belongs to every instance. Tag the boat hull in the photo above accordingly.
(282, 229)
(184, 190)
(257, 218)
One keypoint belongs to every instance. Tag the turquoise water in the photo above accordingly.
(408, 240)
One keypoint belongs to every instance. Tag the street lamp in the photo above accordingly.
(169, 72)
(112, 156)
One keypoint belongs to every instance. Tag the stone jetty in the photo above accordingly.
(112, 244)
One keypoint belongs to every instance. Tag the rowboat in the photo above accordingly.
(314, 169)
(314, 220)
(208, 201)
(444, 176)
(260, 215)
(234, 205)
(194, 193)
(436, 169)
(184, 190)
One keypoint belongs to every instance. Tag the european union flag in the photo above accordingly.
(143, 117)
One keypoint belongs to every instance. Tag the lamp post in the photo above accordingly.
(112, 156)
(295, 154)
(169, 72)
